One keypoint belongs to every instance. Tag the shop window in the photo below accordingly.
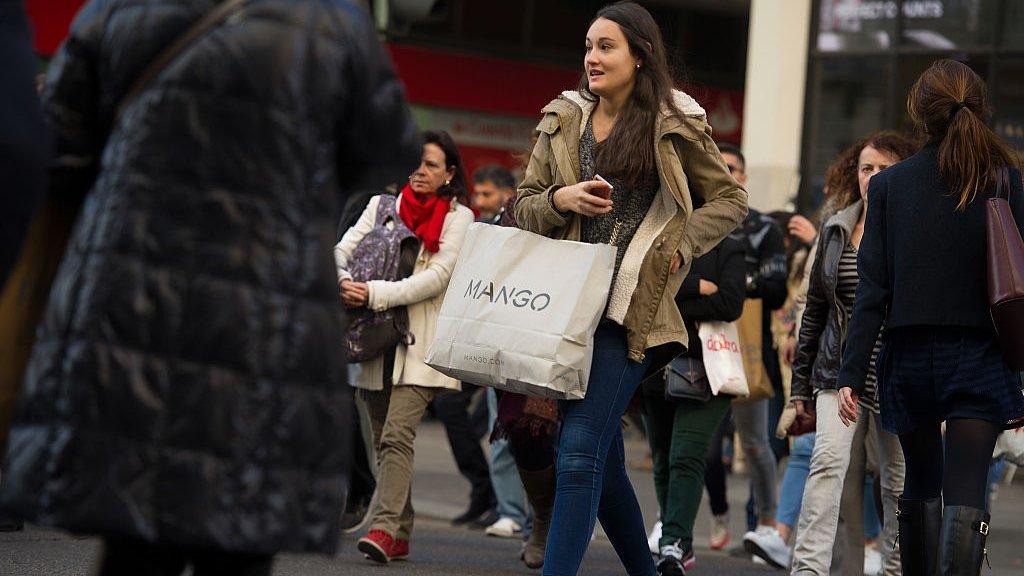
(949, 24)
(850, 105)
(911, 67)
(846, 25)
(1008, 100)
(1013, 25)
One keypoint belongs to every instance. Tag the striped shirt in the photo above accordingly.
(846, 291)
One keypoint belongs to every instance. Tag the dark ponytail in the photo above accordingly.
(949, 102)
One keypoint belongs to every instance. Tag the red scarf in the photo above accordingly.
(424, 215)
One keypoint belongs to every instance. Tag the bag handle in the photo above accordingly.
(209, 20)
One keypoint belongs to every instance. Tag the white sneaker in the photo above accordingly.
(766, 544)
(872, 561)
(504, 528)
(654, 537)
(720, 532)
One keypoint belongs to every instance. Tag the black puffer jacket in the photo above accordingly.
(819, 350)
(188, 383)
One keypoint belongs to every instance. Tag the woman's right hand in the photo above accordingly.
(708, 288)
(584, 198)
(802, 229)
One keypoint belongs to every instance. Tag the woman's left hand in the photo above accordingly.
(677, 261)
(848, 405)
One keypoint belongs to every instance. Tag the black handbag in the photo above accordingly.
(686, 379)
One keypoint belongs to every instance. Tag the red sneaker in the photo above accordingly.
(400, 550)
(377, 546)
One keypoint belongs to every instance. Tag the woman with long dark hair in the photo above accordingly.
(653, 145)
(397, 386)
(923, 273)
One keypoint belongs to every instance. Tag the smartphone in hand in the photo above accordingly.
(605, 193)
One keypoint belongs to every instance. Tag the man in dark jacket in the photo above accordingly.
(766, 281)
(186, 397)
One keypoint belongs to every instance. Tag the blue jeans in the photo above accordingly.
(591, 467)
(791, 492)
(508, 488)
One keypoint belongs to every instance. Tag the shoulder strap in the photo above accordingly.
(1003, 183)
(221, 12)
(385, 208)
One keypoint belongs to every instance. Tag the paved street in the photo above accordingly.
(439, 550)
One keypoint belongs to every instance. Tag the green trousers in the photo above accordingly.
(680, 434)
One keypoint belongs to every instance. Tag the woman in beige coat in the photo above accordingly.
(396, 388)
(653, 146)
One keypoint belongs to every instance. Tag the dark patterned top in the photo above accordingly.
(630, 206)
(846, 291)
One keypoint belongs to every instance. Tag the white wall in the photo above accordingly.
(773, 108)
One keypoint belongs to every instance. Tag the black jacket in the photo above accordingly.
(819, 349)
(766, 270)
(921, 262)
(723, 266)
(188, 383)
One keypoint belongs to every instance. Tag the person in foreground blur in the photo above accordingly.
(186, 396)
(923, 274)
(653, 145)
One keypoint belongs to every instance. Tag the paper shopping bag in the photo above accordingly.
(723, 360)
(749, 328)
(521, 311)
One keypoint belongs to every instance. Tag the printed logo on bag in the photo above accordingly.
(719, 342)
(482, 360)
(507, 295)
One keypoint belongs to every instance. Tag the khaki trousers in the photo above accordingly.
(395, 413)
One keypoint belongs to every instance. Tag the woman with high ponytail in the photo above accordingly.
(923, 273)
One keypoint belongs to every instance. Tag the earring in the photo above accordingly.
(638, 66)
(447, 182)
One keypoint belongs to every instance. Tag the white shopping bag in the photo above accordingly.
(723, 359)
(521, 311)
(1010, 445)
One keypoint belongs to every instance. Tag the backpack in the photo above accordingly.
(387, 252)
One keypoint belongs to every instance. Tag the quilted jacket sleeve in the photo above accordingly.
(380, 143)
(70, 103)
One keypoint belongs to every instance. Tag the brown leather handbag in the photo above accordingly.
(1006, 274)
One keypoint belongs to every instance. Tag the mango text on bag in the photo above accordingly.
(507, 295)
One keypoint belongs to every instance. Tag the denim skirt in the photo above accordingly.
(934, 373)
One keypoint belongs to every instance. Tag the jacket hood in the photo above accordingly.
(572, 102)
(846, 218)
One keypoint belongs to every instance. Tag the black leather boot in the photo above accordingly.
(920, 523)
(962, 544)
